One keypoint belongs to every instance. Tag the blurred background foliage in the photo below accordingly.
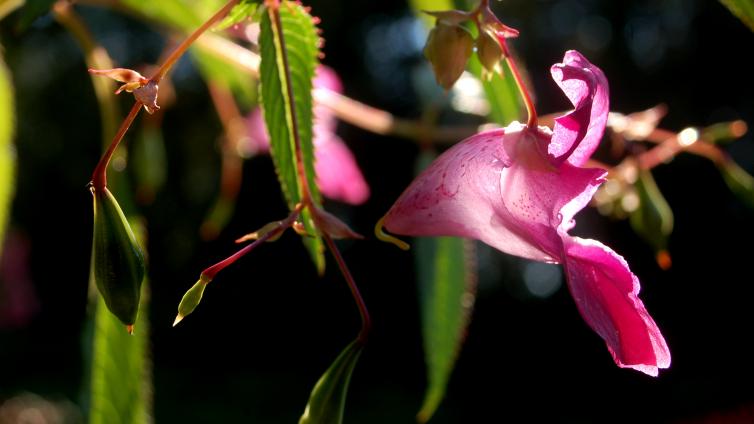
(252, 352)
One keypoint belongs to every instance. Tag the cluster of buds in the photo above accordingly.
(450, 43)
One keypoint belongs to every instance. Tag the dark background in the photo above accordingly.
(268, 327)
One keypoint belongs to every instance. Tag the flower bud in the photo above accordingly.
(191, 299)
(448, 48)
(490, 54)
(147, 95)
(117, 261)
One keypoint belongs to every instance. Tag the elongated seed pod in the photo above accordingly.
(117, 261)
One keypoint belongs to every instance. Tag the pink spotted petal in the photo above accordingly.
(539, 200)
(577, 134)
(459, 195)
(606, 293)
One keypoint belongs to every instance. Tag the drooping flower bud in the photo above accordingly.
(117, 261)
(490, 55)
(448, 48)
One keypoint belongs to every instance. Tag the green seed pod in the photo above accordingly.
(117, 261)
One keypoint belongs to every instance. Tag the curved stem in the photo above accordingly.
(99, 177)
(366, 321)
(532, 121)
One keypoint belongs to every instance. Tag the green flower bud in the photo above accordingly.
(191, 299)
(117, 261)
(490, 54)
(448, 48)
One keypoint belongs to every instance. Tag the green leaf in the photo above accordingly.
(8, 6)
(286, 97)
(149, 162)
(7, 150)
(743, 9)
(328, 398)
(447, 287)
(185, 14)
(243, 10)
(740, 182)
(653, 218)
(502, 93)
(120, 373)
(218, 71)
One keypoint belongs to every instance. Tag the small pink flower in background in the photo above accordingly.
(518, 190)
(338, 174)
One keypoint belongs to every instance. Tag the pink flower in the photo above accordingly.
(518, 190)
(338, 174)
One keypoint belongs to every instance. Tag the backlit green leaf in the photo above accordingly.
(7, 150)
(286, 97)
(447, 287)
(743, 9)
(328, 398)
(502, 93)
(121, 385)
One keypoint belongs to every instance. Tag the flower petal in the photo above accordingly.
(577, 134)
(459, 195)
(538, 199)
(606, 293)
(338, 174)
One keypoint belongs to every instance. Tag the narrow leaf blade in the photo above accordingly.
(120, 370)
(743, 9)
(7, 150)
(286, 94)
(502, 93)
(447, 287)
(328, 398)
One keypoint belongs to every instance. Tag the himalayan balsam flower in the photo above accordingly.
(338, 174)
(518, 189)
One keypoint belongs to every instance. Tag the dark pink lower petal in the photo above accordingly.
(606, 293)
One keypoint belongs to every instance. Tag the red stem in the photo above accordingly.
(99, 177)
(211, 271)
(532, 121)
(366, 321)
